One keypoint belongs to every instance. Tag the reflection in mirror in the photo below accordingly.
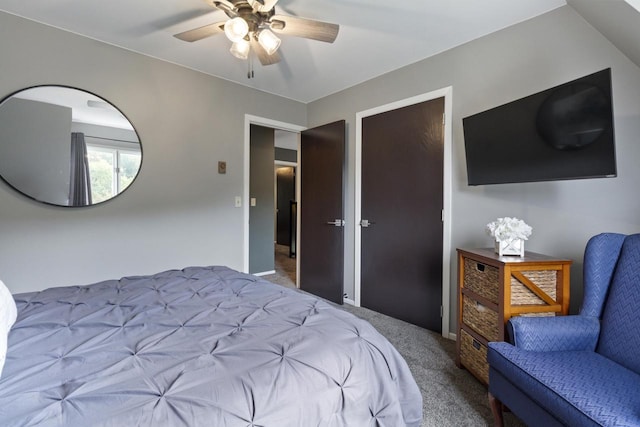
(66, 147)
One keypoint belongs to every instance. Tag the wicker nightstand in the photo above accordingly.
(492, 289)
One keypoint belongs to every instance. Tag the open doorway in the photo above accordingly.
(273, 204)
(320, 219)
(286, 208)
(285, 226)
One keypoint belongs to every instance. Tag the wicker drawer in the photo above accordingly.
(544, 279)
(473, 356)
(482, 279)
(481, 319)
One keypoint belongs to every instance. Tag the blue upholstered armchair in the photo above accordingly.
(581, 370)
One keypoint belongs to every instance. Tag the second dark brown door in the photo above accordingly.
(402, 198)
(321, 211)
(285, 194)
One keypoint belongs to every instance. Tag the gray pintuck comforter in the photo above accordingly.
(203, 346)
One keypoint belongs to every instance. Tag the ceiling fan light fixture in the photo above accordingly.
(240, 49)
(236, 29)
(269, 41)
(256, 21)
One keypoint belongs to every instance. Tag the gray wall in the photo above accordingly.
(261, 185)
(90, 130)
(518, 61)
(286, 155)
(35, 158)
(179, 211)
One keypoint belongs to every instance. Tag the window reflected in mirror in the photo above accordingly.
(112, 167)
(66, 147)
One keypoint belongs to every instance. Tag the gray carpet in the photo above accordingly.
(451, 396)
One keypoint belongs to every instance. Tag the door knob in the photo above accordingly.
(336, 223)
(366, 223)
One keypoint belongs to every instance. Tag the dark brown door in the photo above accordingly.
(321, 249)
(402, 199)
(285, 194)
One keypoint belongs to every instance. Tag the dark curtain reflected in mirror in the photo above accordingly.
(80, 178)
(66, 147)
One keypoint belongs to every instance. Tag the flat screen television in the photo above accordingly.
(565, 132)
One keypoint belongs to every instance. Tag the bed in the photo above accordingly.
(202, 346)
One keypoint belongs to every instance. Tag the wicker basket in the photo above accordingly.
(544, 279)
(482, 279)
(481, 319)
(473, 356)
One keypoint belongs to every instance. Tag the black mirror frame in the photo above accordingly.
(9, 96)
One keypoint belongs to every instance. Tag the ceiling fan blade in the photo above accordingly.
(307, 28)
(262, 5)
(263, 56)
(201, 32)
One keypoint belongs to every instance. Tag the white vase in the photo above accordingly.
(510, 247)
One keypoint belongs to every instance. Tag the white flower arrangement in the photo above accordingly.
(507, 229)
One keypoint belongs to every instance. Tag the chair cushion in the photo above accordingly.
(620, 329)
(577, 387)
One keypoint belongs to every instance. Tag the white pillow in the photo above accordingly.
(8, 314)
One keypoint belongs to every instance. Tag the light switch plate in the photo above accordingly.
(222, 167)
(238, 202)
(253, 201)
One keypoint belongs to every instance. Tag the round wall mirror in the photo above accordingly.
(66, 147)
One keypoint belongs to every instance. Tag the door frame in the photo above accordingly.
(274, 124)
(446, 190)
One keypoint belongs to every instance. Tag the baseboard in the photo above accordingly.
(264, 273)
(450, 335)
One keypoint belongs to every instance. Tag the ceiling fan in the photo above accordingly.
(252, 24)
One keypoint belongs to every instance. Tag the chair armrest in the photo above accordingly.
(558, 333)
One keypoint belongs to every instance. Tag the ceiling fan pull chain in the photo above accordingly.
(250, 74)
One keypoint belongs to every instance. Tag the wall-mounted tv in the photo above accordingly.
(565, 132)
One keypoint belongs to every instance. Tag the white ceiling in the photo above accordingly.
(375, 36)
(617, 20)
